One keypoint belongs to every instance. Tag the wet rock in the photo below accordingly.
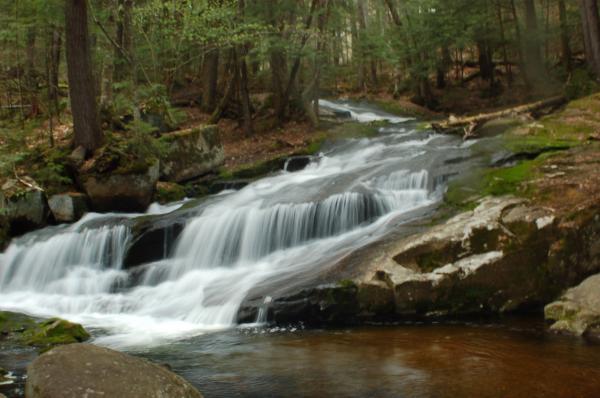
(153, 240)
(192, 153)
(297, 163)
(577, 312)
(53, 332)
(504, 256)
(131, 191)
(25, 330)
(226, 185)
(167, 192)
(24, 208)
(335, 304)
(68, 207)
(79, 370)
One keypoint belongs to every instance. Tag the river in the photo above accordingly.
(284, 230)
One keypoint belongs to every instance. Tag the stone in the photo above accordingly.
(191, 154)
(577, 312)
(68, 207)
(77, 157)
(54, 332)
(79, 370)
(167, 192)
(128, 192)
(504, 256)
(24, 330)
(297, 163)
(24, 208)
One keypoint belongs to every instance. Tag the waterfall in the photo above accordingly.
(288, 225)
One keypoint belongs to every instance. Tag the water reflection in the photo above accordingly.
(406, 361)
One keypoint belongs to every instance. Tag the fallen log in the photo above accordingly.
(468, 125)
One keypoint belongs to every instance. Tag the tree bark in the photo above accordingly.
(564, 36)
(82, 87)
(123, 68)
(210, 78)
(591, 24)
(534, 65)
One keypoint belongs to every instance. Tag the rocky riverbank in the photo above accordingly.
(525, 231)
(67, 368)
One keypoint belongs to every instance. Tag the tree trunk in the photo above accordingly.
(123, 68)
(534, 65)
(245, 94)
(564, 36)
(54, 69)
(210, 78)
(82, 87)
(591, 24)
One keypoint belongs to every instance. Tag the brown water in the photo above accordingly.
(501, 360)
(517, 359)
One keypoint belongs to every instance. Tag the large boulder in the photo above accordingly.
(192, 153)
(24, 208)
(82, 370)
(577, 312)
(504, 256)
(128, 190)
(68, 207)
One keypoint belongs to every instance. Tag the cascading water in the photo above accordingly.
(289, 224)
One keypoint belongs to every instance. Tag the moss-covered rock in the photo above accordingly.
(577, 312)
(23, 329)
(191, 153)
(128, 191)
(54, 332)
(23, 207)
(167, 192)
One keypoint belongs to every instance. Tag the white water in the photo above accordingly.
(283, 226)
(360, 114)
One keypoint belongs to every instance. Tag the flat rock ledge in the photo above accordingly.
(577, 312)
(83, 370)
(504, 256)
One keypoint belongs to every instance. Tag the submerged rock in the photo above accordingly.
(128, 191)
(577, 312)
(68, 207)
(79, 370)
(192, 153)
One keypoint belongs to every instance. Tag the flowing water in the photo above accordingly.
(287, 226)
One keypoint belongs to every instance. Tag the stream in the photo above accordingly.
(282, 230)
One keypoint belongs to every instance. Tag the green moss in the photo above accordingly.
(508, 180)
(23, 329)
(347, 284)
(169, 192)
(54, 332)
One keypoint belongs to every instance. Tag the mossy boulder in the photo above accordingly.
(167, 192)
(25, 330)
(191, 153)
(23, 208)
(577, 312)
(130, 190)
(54, 332)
